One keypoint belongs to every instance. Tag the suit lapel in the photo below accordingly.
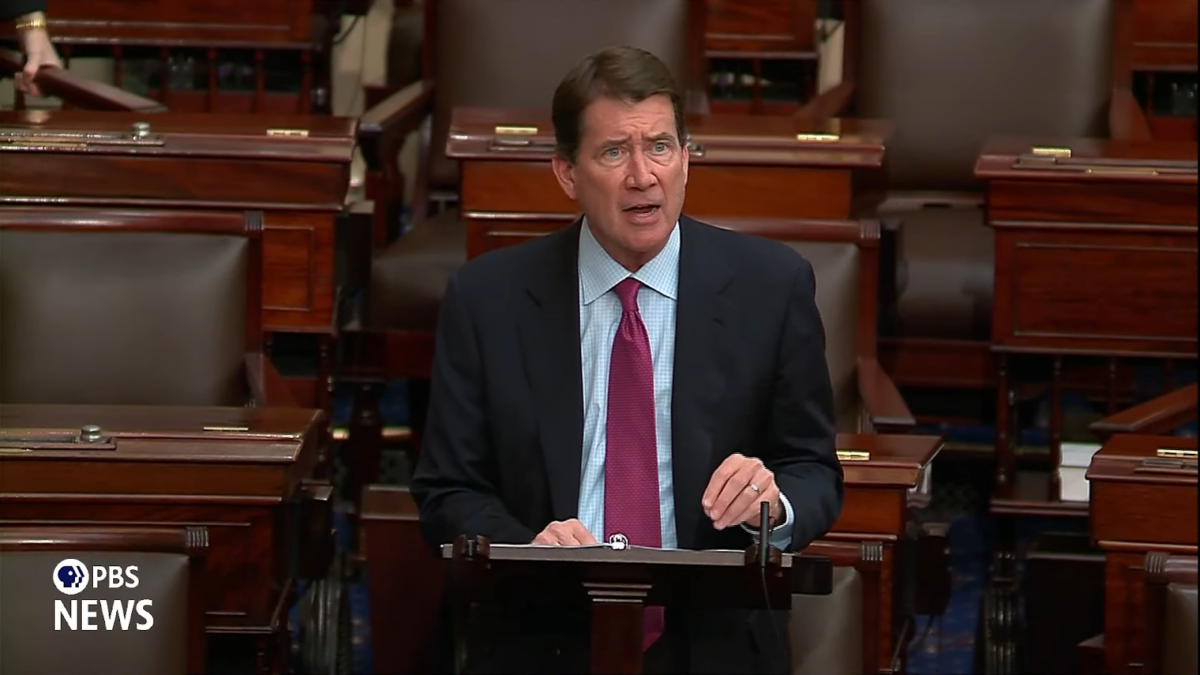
(703, 337)
(549, 329)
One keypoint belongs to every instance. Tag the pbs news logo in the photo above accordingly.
(72, 577)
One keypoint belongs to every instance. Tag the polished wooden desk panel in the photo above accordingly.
(294, 168)
(740, 166)
(240, 472)
(283, 23)
(1136, 509)
(1112, 226)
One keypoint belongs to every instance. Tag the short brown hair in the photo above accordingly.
(624, 73)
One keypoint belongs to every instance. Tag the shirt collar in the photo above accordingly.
(599, 273)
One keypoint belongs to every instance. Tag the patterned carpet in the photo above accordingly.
(949, 647)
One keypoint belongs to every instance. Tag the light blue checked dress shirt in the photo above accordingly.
(599, 316)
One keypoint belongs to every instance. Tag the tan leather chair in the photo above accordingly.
(132, 308)
(170, 573)
(838, 634)
(1171, 615)
(950, 74)
(845, 260)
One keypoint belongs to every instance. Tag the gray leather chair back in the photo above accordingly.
(105, 316)
(34, 605)
(950, 73)
(825, 631)
(836, 265)
(1179, 639)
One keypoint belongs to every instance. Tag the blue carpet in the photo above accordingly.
(950, 648)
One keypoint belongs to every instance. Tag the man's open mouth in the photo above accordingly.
(642, 209)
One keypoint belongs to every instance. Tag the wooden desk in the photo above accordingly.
(741, 166)
(240, 472)
(1136, 510)
(1095, 257)
(296, 169)
(881, 491)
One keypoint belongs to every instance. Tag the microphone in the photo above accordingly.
(764, 533)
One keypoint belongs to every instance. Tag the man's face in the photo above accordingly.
(628, 176)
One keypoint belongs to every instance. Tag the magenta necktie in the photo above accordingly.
(631, 503)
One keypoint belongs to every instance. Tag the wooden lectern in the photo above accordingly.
(618, 581)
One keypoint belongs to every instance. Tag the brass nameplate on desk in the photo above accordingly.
(515, 130)
(853, 455)
(1175, 453)
(805, 137)
(1048, 151)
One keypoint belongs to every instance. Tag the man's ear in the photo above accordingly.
(564, 171)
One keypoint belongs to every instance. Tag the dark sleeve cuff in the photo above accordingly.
(11, 9)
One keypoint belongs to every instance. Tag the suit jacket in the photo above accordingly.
(502, 449)
(11, 9)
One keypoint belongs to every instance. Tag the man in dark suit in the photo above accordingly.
(638, 373)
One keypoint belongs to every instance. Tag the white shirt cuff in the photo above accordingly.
(781, 534)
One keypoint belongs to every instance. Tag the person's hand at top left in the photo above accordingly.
(39, 53)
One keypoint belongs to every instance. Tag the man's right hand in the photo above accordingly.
(565, 533)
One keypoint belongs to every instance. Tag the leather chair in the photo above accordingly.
(845, 260)
(476, 53)
(948, 75)
(1171, 615)
(838, 634)
(133, 308)
(170, 572)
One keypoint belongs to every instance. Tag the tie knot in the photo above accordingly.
(627, 291)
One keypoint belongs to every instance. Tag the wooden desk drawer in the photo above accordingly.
(515, 187)
(872, 511)
(1116, 289)
(1138, 512)
(1092, 202)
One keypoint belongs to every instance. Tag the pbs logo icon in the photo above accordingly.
(70, 576)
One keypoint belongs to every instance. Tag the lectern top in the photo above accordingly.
(607, 553)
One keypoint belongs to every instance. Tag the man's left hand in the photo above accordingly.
(735, 491)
